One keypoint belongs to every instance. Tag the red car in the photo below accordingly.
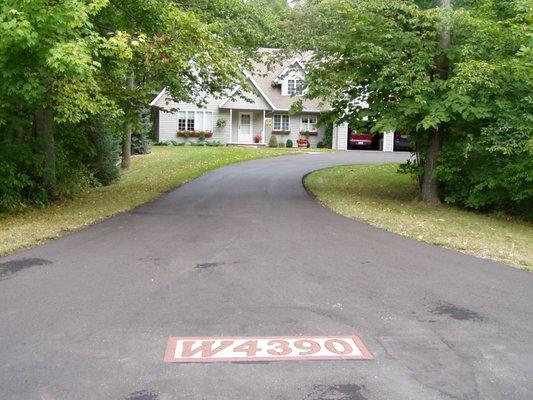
(356, 139)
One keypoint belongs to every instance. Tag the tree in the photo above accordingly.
(430, 192)
(47, 72)
(72, 69)
(399, 53)
(184, 46)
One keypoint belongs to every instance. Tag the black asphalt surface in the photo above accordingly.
(245, 251)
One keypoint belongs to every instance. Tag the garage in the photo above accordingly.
(341, 137)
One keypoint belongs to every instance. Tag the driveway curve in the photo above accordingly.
(245, 251)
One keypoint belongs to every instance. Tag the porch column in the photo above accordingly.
(263, 132)
(230, 124)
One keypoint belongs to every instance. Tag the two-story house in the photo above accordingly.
(253, 116)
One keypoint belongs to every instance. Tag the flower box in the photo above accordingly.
(195, 134)
(281, 132)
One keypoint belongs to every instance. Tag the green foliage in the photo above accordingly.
(104, 163)
(214, 143)
(320, 145)
(140, 142)
(69, 60)
(19, 171)
(289, 143)
(327, 141)
(161, 144)
(384, 52)
(281, 144)
(477, 173)
(273, 141)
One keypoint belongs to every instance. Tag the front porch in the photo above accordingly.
(245, 125)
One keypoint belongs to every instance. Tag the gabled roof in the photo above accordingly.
(287, 70)
(266, 80)
(235, 93)
(263, 77)
(161, 93)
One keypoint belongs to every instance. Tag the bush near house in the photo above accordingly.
(289, 143)
(273, 142)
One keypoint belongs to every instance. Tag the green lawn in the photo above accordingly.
(150, 176)
(380, 196)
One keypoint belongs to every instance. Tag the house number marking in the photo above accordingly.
(242, 349)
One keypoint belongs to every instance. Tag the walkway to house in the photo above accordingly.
(245, 251)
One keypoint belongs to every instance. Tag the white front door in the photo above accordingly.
(245, 128)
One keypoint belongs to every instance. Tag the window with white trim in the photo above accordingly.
(293, 86)
(308, 123)
(281, 122)
(195, 120)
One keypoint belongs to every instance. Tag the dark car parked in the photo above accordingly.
(402, 142)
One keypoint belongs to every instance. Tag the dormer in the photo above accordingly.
(290, 79)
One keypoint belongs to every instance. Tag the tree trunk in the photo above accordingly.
(44, 133)
(128, 128)
(21, 134)
(430, 191)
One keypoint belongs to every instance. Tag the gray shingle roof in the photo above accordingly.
(264, 77)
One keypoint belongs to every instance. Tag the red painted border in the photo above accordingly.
(172, 342)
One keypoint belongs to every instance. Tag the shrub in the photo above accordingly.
(104, 163)
(140, 144)
(328, 136)
(320, 145)
(281, 144)
(273, 142)
(19, 176)
(479, 174)
(214, 143)
(289, 143)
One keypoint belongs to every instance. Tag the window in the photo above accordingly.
(191, 120)
(308, 123)
(293, 86)
(281, 122)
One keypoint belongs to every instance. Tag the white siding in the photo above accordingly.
(168, 121)
(340, 136)
(241, 103)
(295, 126)
(388, 141)
(294, 74)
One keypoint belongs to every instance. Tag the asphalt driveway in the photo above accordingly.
(245, 251)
